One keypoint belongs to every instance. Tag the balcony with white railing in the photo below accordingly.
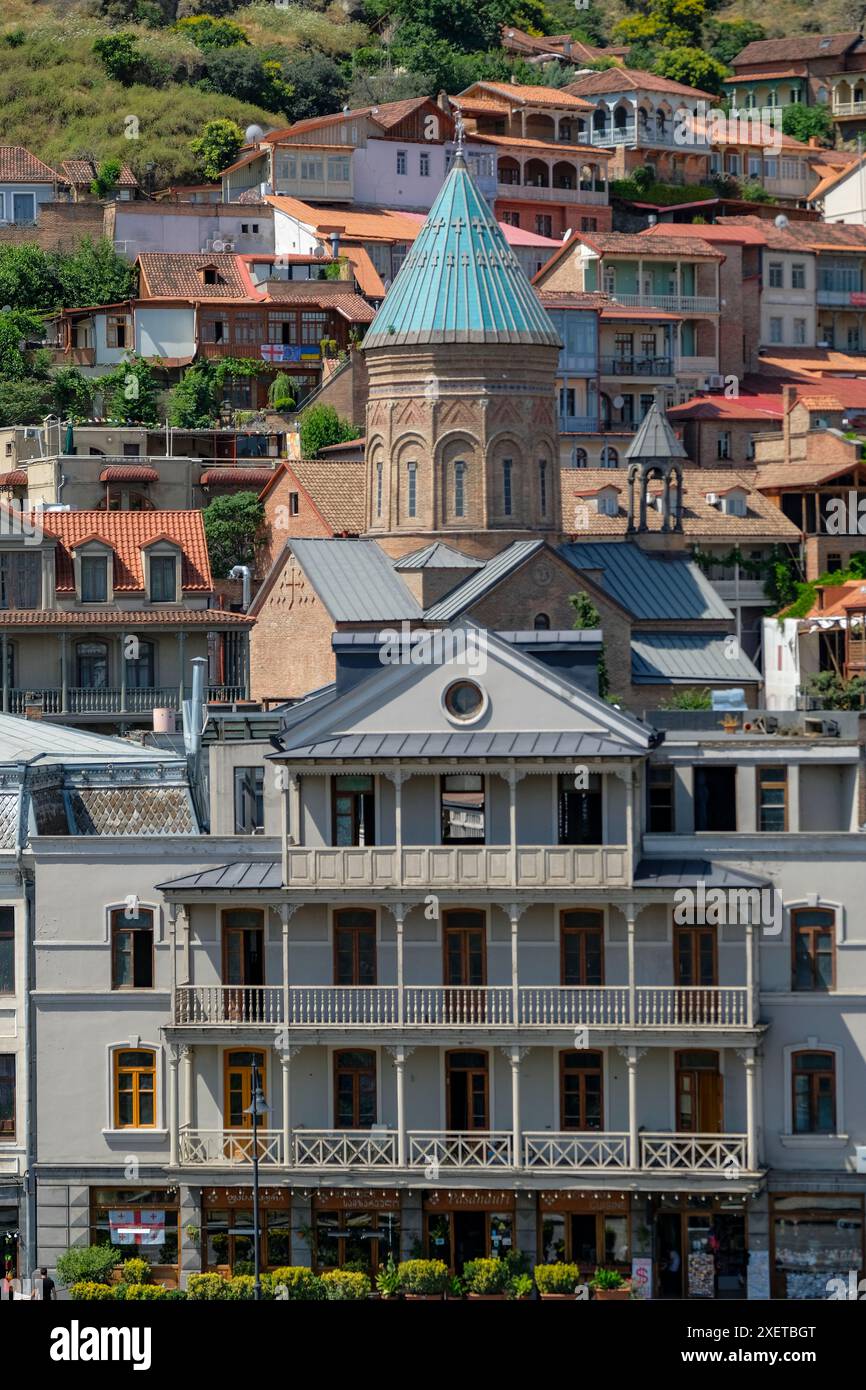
(459, 866)
(114, 700)
(436, 1152)
(673, 303)
(544, 193)
(531, 1008)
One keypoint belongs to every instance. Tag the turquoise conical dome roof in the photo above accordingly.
(461, 282)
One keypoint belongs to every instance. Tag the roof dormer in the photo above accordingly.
(161, 566)
(93, 562)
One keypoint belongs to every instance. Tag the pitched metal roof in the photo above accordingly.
(471, 744)
(685, 873)
(241, 874)
(460, 282)
(655, 439)
(355, 580)
(438, 557)
(665, 657)
(483, 580)
(647, 584)
(36, 741)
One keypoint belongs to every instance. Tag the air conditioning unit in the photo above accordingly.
(713, 499)
(227, 246)
(717, 382)
(860, 1158)
(217, 246)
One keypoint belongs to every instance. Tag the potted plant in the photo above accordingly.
(388, 1279)
(486, 1278)
(610, 1284)
(519, 1286)
(423, 1278)
(342, 1284)
(557, 1281)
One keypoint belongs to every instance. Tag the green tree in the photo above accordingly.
(693, 67)
(17, 328)
(27, 277)
(93, 1263)
(317, 86)
(94, 274)
(217, 147)
(726, 38)
(835, 692)
(24, 401)
(233, 527)
(131, 393)
(208, 33)
(193, 403)
(248, 75)
(124, 62)
(281, 393)
(688, 699)
(320, 426)
(107, 175)
(669, 23)
(73, 394)
(587, 617)
(808, 122)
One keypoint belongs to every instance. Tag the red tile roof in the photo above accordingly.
(18, 165)
(802, 46)
(632, 79)
(517, 94)
(126, 533)
(711, 233)
(81, 173)
(254, 478)
(16, 478)
(212, 618)
(768, 408)
(177, 275)
(129, 473)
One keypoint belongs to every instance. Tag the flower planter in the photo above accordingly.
(416, 1297)
(486, 1297)
(560, 1296)
(613, 1295)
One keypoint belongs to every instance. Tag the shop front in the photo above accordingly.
(227, 1234)
(470, 1225)
(142, 1223)
(10, 1242)
(815, 1238)
(586, 1229)
(355, 1228)
(700, 1245)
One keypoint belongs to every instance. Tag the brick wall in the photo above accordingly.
(61, 226)
(280, 525)
(290, 645)
(346, 391)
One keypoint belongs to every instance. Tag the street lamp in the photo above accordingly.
(257, 1108)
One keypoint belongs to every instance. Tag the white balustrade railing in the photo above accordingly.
(457, 866)
(435, 1149)
(229, 1146)
(569, 1006)
(342, 1006)
(345, 1148)
(704, 1153)
(457, 1005)
(544, 1149)
(208, 1004)
(678, 1006)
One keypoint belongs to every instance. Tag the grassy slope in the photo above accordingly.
(56, 99)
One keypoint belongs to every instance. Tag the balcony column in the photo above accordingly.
(631, 919)
(64, 675)
(122, 672)
(515, 911)
(400, 1055)
(750, 974)
(632, 1056)
(173, 1105)
(172, 946)
(747, 1055)
(4, 657)
(187, 1092)
(183, 943)
(181, 650)
(397, 778)
(398, 912)
(245, 648)
(286, 1055)
(512, 777)
(286, 912)
(514, 1056)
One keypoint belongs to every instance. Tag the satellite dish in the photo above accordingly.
(319, 251)
(253, 134)
(781, 221)
(618, 402)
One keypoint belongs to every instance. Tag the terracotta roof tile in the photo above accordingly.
(700, 517)
(516, 94)
(129, 473)
(81, 173)
(771, 476)
(253, 478)
(632, 79)
(799, 47)
(349, 305)
(373, 225)
(177, 275)
(336, 488)
(17, 477)
(631, 244)
(124, 617)
(126, 533)
(18, 165)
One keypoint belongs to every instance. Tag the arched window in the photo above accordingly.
(578, 458)
(135, 1088)
(813, 939)
(459, 488)
(581, 1099)
(542, 622)
(609, 457)
(542, 486)
(91, 659)
(140, 667)
(506, 487)
(412, 489)
(378, 489)
(132, 948)
(813, 1081)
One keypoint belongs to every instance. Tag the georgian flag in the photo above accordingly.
(273, 352)
(137, 1226)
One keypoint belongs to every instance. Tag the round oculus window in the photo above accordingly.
(464, 700)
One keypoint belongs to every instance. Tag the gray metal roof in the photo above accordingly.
(473, 744)
(686, 873)
(438, 557)
(664, 657)
(479, 584)
(552, 637)
(655, 439)
(355, 581)
(37, 741)
(648, 584)
(242, 875)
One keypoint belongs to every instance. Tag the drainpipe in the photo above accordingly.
(243, 572)
(31, 1252)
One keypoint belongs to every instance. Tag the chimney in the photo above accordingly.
(33, 708)
(789, 397)
(334, 239)
(819, 596)
(443, 101)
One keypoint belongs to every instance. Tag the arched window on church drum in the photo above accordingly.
(460, 488)
(412, 490)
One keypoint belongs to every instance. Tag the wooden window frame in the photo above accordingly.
(356, 1096)
(455, 1051)
(446, 929)
(7, 933)
(225, 930)
(679, 930)
(338, 927)
(599, 1070)
(581, 931)
(796, 912)
(120, 923)
(813, 1075)
(228, 1066)
(9, 1135)
(355, 794)
(136, 1072)
(112, 323)
(781, 780)
(668, 783)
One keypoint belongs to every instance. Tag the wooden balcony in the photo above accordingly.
(433, 1152)
(459, 866)
(539, 1008)
(109, 699)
